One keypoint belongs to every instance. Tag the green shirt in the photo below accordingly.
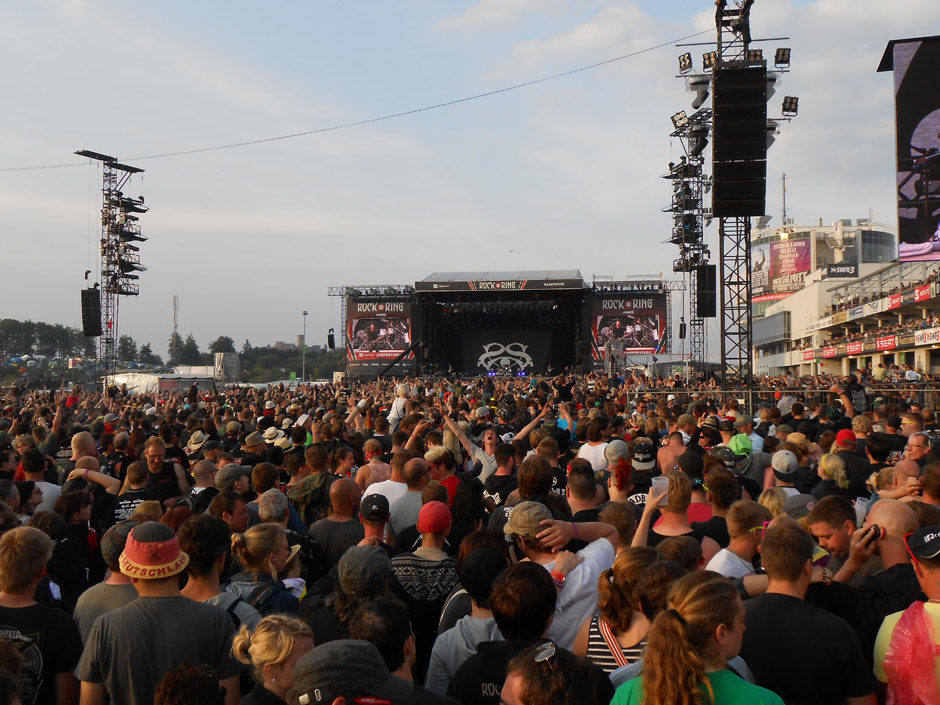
(727, 687)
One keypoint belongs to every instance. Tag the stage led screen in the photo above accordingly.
(636, 319)
(377, 332)
(917, 119)
(508, 351)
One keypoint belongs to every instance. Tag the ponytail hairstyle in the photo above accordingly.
(270, 643)
(681, 641)
(616, 587)
(834, 468)
(255, 546)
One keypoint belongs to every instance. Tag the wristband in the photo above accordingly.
(558, 578)
(574, 528)
(86, 473)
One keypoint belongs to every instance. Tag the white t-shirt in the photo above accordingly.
(391, 489)
(729, 564)
(489, 461)
(50, 493)
(577, 599)
(594, 455)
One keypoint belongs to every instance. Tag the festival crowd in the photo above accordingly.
(523, 541)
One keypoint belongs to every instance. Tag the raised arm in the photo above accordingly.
(461, 436)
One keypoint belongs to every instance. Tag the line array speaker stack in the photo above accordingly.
(91, 313)
(739, 142)
(706, 282)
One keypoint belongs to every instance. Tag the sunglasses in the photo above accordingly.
(759, 531)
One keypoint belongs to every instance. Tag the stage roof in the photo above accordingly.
(502, 281)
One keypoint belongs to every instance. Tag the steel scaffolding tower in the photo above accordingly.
(119, 255)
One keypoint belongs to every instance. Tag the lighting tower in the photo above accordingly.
(690, 217)
(119, 255)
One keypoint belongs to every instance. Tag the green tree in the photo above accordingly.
(146, 356)
(189, 352)
(174, 349)
(246, 350)
(126, 348)
(222, 344)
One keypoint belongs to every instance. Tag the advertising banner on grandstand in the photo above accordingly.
(778, 269)
(917, 123)
(809, 354)
(889, 342)
(895, 301)
(829, 351)
(873, 307)
(854, 348)
(927, 336)
(637, 320)
(922, 293)
(377, 332)
(840, 271)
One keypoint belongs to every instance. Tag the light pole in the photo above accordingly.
(303, 354)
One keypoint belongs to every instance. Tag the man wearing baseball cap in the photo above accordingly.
(130, 649)
(920, 626)
(425, 577)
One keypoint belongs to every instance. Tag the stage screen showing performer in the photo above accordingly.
(377, 331)
(636, 319)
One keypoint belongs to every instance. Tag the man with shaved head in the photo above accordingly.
(341, 529)
(883, 533)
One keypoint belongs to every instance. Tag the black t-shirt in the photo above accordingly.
(49, 643)
(163, 484)
(715, 528)
(498, 487)
(126, 504)
(802, 653)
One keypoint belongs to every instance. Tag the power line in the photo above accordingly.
(391, 116)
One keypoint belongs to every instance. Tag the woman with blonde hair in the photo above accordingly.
(272, 649)
(616, 635)
(689, 646)
(264, 552)
(773, 499)
(831, 471)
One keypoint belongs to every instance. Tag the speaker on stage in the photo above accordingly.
(331, 339)
(706, 282)
(682, 330)
(91, 313)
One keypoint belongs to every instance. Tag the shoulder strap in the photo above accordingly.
(612, 643)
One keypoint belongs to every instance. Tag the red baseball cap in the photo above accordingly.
(846, 437)
(433, 518)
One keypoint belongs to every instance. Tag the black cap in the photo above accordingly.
(374, 507)
(925, 542)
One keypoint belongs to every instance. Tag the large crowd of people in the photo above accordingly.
(571, 540)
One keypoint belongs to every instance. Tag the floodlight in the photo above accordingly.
(791, 105)
(699, 85)
(709, 59)
(685, 63)
(680, 119)
(755, 54)
(782, 57)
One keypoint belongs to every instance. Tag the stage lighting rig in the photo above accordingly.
(791, 106)
(679, 120)
(709, 59)
(685, 63)
(755, 55)
(782, 57)
(698, 84)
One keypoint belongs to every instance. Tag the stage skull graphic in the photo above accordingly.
(499, 357)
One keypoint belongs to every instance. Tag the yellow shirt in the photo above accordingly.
(884, 639)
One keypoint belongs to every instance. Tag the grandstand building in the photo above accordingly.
(799, 273)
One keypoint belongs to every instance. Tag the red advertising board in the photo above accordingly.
(809, 354)
(887, 343)
(894, 301)
(829, 352)
(854, 348)
(922, 293)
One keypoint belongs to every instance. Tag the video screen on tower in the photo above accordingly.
(637, 319)
(917, 117)
(377, 332)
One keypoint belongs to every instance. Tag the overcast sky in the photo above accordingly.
(563, 174)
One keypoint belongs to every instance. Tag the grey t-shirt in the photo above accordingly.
(97, 600)
(336, 536)
(405, 510)
(130, 649)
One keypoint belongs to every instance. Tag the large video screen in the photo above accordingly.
(638, 320)
(779, 268)
(377, 332)
(917, 117)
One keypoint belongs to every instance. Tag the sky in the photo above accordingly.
(563, 174)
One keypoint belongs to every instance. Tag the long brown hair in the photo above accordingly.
(682, 641)
(616, 598)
